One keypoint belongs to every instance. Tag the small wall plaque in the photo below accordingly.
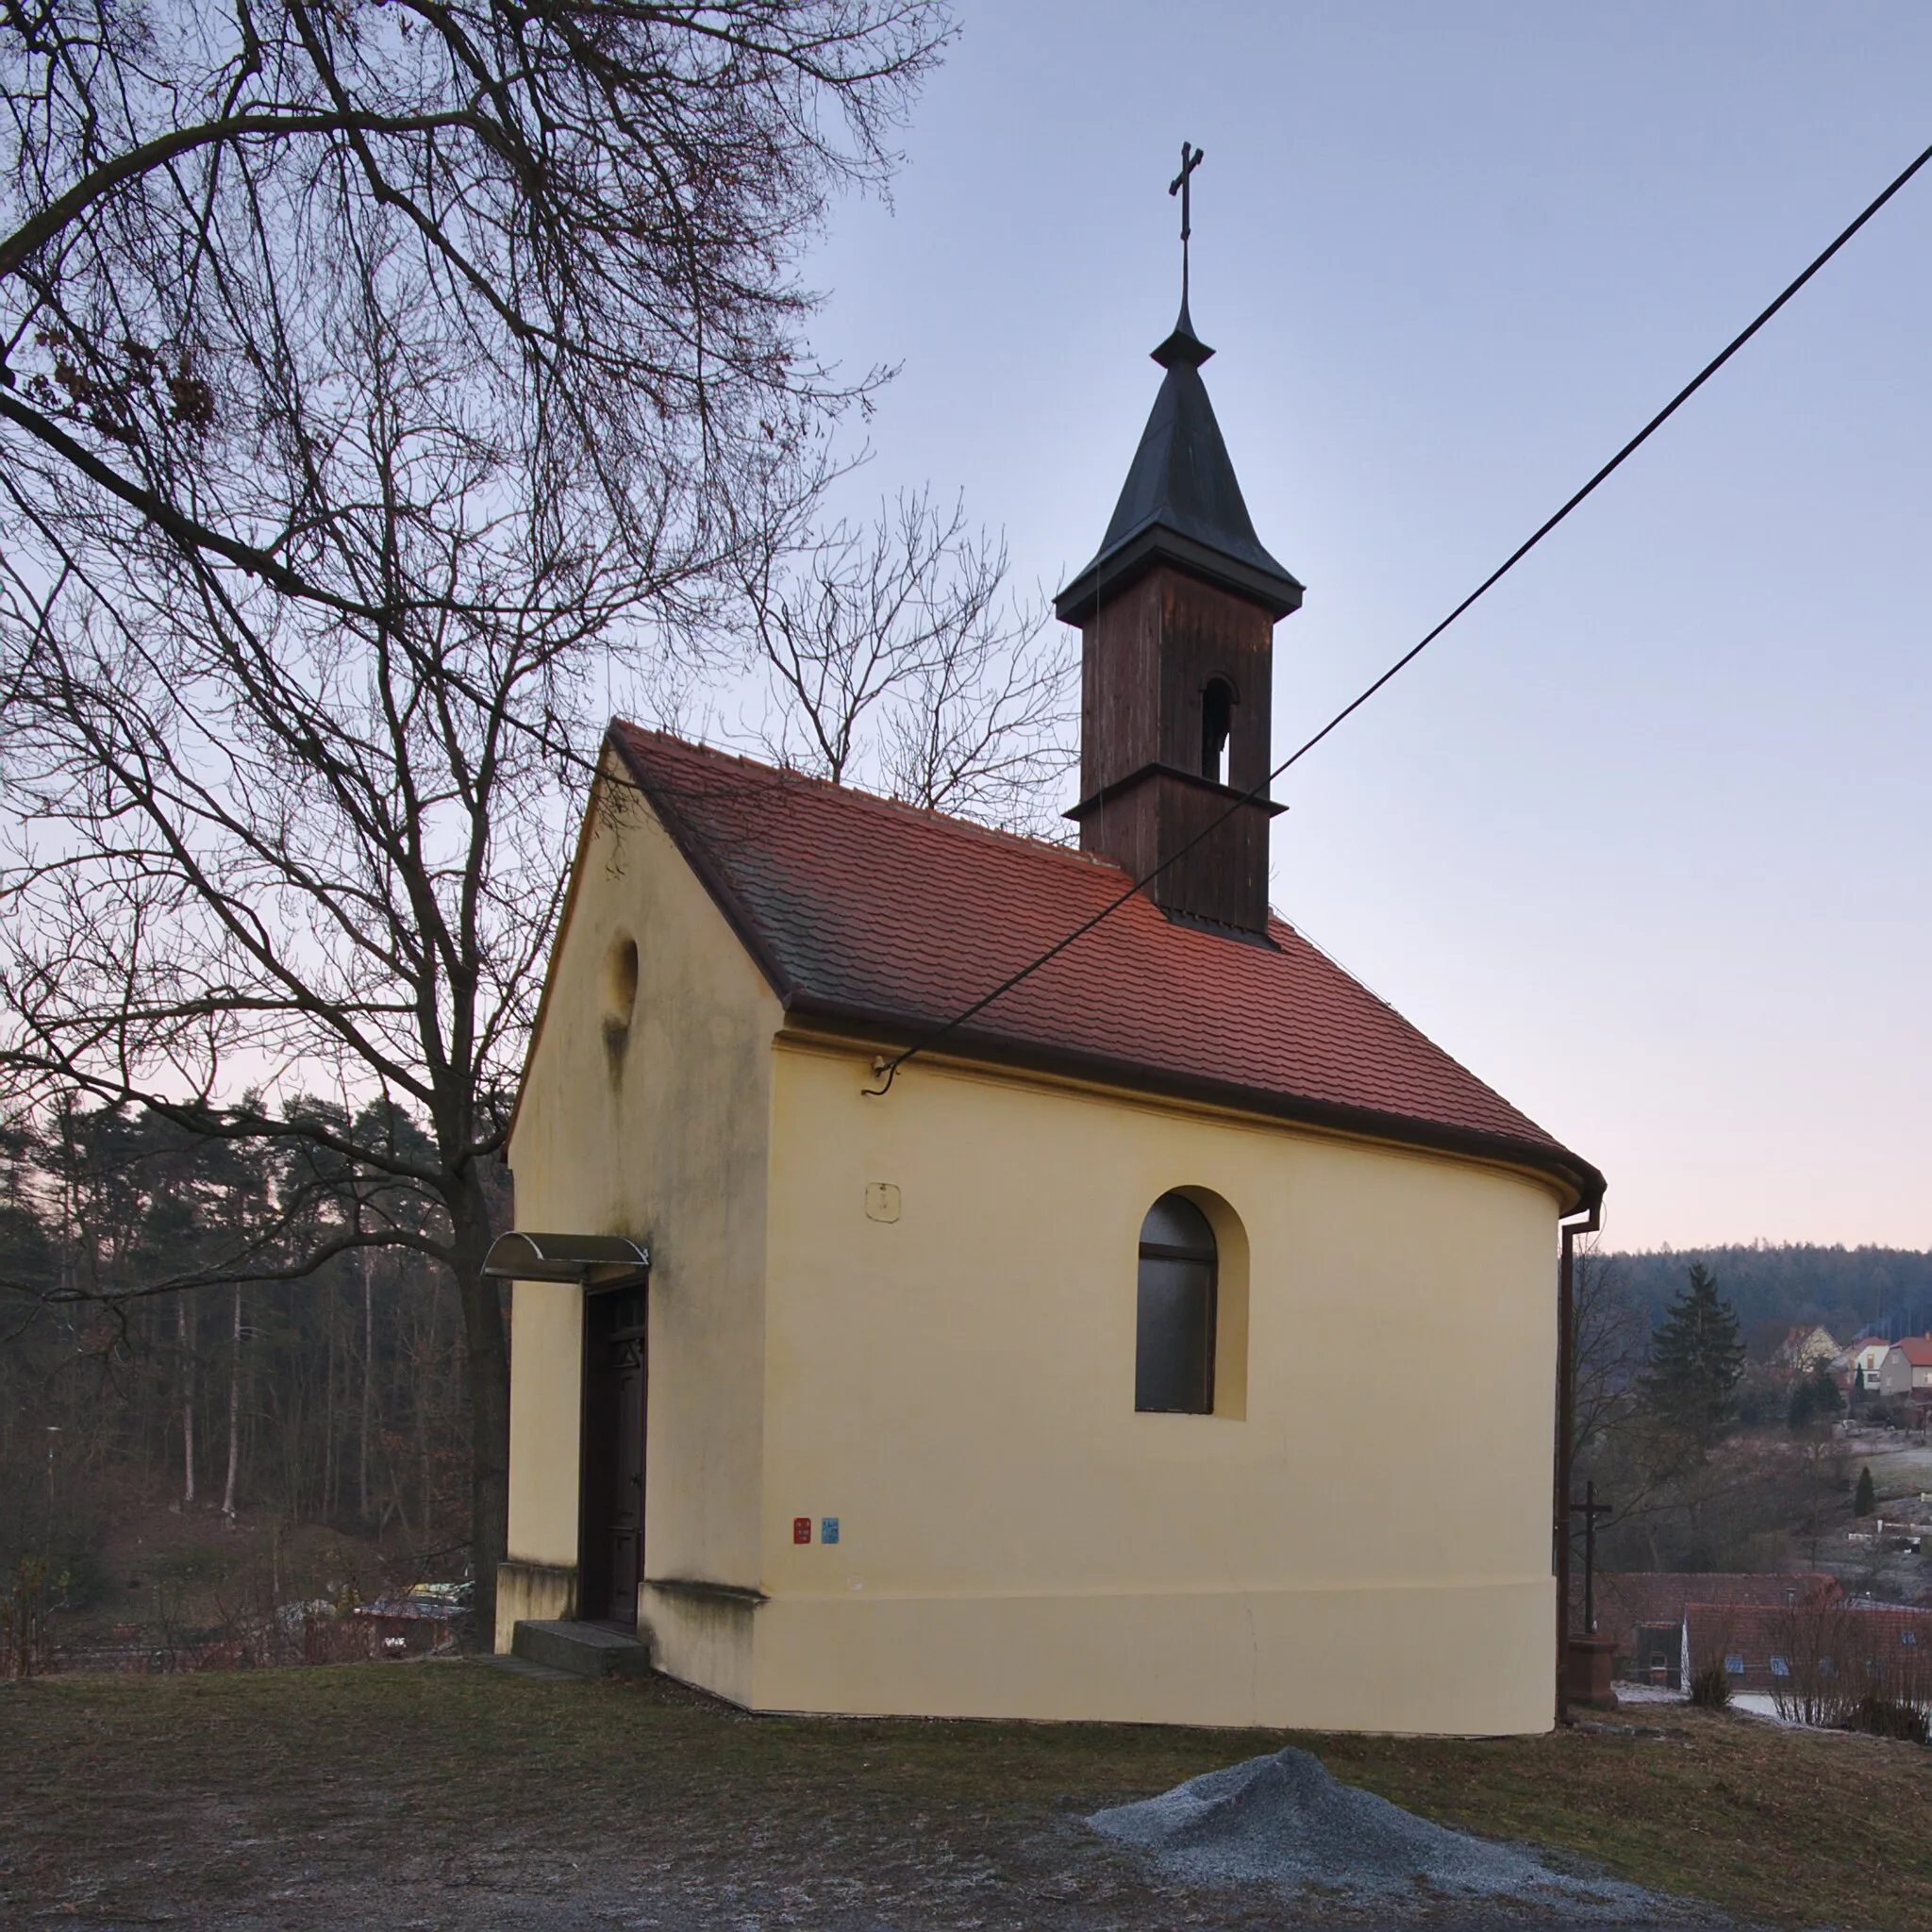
(828, 1530)
(801, 1529)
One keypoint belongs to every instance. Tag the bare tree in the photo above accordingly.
(367, 1408)
(1820, 1462)
(1818, 1641)
(234, 1402)
(896, 654)
(1676, 1500)
(184, 1313)
(1612, 1341)
(600, 201)
(370, 374)
(1651, 1473)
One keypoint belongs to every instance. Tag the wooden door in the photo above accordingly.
(612, 1531)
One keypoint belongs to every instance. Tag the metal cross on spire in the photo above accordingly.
(1190, 159)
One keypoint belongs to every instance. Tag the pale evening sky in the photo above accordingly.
(1641, 839)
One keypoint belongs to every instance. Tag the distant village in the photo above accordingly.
(1868, 1370)
(1844, 1620)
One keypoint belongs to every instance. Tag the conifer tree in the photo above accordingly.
(1866, 1500)
(1815, 1398)
(1696, 1357)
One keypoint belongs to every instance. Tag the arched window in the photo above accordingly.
(1173, 1353)
(1217, 720)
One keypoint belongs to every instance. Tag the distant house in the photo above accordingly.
(1806, 1347)
(1643, 1610)
(1861, 1362)
(1906, 1372)
(1822, 1642)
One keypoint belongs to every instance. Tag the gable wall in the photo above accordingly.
(658, 1132)
(1362, 1541)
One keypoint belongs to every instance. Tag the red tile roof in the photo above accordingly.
(1917, 1350)
(1824, 1642)
(889, 920)
(1626, 1599)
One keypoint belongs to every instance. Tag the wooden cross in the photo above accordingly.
(1590, 1509)
(1181, 185)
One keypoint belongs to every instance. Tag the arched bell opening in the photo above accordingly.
(1217, 726)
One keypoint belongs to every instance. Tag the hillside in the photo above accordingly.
(1887, 1290)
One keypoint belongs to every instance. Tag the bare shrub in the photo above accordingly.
(1710, 1689)
(1712, 1646)
(1889, 1717)
(1816, 1639)
(1897, 1700)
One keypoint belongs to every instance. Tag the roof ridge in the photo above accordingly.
(887, 917)
(865, 795)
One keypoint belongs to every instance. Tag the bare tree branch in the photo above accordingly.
(895, 655)
(373, 378)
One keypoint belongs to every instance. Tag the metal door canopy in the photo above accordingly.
(596, 1260)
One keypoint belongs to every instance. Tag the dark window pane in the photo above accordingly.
(1173, 1353)
(1175, 1222)
(1175, 1344)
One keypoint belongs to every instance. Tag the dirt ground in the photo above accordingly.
(454, 1795)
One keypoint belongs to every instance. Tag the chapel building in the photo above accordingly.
(1173, 1341)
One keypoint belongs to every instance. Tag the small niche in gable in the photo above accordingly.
(620, 998)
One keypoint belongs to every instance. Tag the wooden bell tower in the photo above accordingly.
(1176, 616)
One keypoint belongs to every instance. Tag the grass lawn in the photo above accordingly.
(448, 1794)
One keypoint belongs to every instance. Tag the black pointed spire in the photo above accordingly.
(1176, 615)
(1182, 344)
(1181, 503)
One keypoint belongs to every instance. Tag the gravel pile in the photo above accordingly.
(1284, 1819)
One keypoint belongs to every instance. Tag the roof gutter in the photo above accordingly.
(1562, 1503)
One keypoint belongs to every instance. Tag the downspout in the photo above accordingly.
(1587, 1222)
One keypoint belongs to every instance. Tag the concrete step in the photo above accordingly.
(585, 1650)
(523, 1667)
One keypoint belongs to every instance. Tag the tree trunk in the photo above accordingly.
(329, 1444)
(368, 1373)
(185, 1326)
(424, 1418)
(234, 1407)
(485, 1356)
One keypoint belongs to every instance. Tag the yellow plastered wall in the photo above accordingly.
(656, 1128)
(1358, 1537)
(917, 1315)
